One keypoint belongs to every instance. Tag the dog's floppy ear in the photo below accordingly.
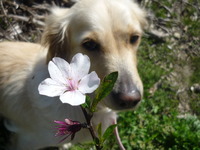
(55, 33)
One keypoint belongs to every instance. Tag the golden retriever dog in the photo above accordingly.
(108, 31)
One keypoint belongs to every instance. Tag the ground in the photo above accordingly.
(169, 60)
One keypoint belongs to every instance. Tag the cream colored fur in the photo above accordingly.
(28, 115)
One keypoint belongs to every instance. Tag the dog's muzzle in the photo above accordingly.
(126, 100)
(126, 94)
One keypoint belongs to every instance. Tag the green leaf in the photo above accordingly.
(109, 131)
(87, 102)
(100, 140)
(104, 89)
(99, 130)
(96, 141)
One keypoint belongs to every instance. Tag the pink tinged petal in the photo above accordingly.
(51, 88)
(89, 83)
(63, 66)
(60, 122)
(80, 65)
(73, 98)
(56, 74)
(68, 121)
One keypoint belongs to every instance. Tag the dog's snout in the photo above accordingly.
(127, 100)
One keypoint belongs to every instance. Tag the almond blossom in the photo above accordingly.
(68, 128)
(70, 81)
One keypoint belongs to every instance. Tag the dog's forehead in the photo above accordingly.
(105, 15)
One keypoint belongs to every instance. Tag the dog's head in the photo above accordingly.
(109, 32)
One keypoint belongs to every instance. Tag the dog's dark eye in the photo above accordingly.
(90, 44)
(134, 39)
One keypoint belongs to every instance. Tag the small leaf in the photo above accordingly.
(104, 89)
(109, 131)
(98, 144)
(96, 141)
(87, 102)
(99, 130)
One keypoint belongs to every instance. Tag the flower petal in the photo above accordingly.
(63, 66)
(51, 88)
(73, 98)
(55, 73)
(89, 83)
(80, 65)
(68, 121)
(60, 122)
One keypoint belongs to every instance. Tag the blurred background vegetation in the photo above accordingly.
(169, 64)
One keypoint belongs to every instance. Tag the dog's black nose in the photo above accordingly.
(127, 100)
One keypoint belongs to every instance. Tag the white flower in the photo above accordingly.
(70, 81)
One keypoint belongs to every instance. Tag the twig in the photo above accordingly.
(88, 120)
(194, 6)
(26, 19)
(2, 7)
(165, 7)
(5, 14)
(44, 7)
